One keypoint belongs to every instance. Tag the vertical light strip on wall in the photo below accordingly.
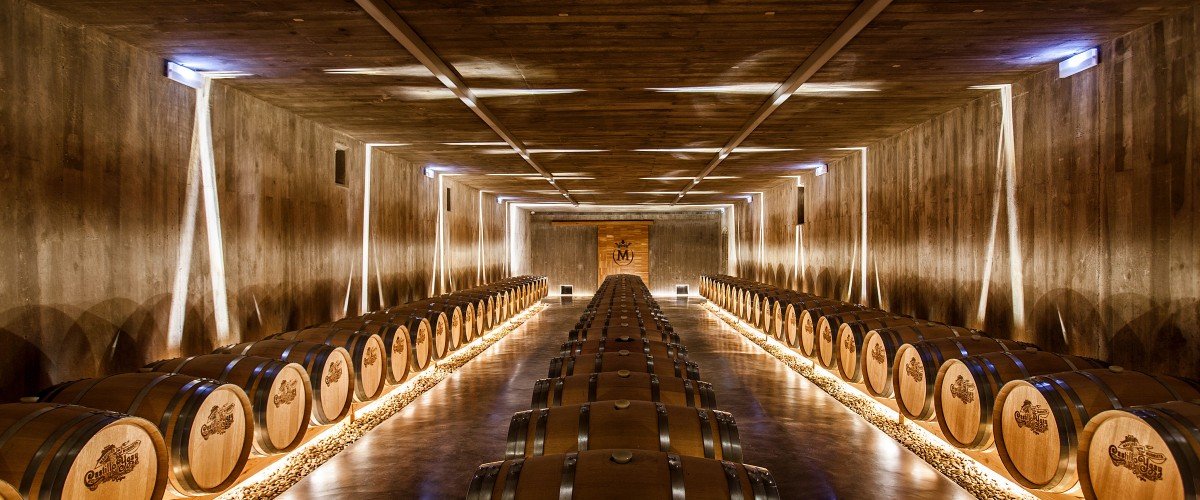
(479, 245)
(1009, 152)
(762, 231)
(990, 255)
(508, 247)
(863, 274)
(1015, 265)
(363, 296)
(212, 214)
(439, 268)
(187, 237)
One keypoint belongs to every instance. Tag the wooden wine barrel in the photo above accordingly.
(623, 474)
(964, 394)
(8, 492)
(366, 350)
(917, 365)
(438, 327)
(658, 328)
(280, 393)
(623, 331)
(880, 346)
(789, 330)
(328, 370)
(50, 451)
(396, 342)
(851, 337)
(1148, 451)
(639, 425)
(807, 324)
(208, 426)
(485, 312)
(618, 344)
(579, 389)
(566, 366)
(1038, 420)
(827, 331)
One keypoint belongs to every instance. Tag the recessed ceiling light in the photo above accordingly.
(678, 150)
(765, 88)
(672, 192)
(541, 151)
(434, 93)
(682, 178)
(485, 143)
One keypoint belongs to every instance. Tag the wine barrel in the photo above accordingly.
(828, 328)
(280, 393)
(438, 328)
(1148, 451)
(917, 365)
(789, 331)
(964, 394)
(332, 389)
(566, 366)
(807, 327)
(8, 492)
(396, 342)
(1038, 420)
(618, 344)
(622, 331)
(627, 474)
(578, 389)
(851, 337)
(50, 451)
(208, 426)
(880, 346)
(640, 425)
(366, 350)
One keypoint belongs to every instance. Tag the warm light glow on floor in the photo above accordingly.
(975, 477)
(294, 466)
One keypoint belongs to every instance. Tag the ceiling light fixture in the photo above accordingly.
(689, 178)
(1079, 62)
(484, 143)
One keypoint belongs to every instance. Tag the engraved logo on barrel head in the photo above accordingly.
(335, 372)
(913, 368)
(963, 390)
(1032, 417)
(848, 343)
(287, 393)
(370, 356)
(827, 335)
(114, 464)
(220, 419)
(398, 346)
(1138, 458)
(878, 354)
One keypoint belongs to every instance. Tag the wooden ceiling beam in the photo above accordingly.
(866, 12)
(390, 20)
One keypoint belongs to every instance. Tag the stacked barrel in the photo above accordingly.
(1058, 422)
(191, 424)
(623, 414)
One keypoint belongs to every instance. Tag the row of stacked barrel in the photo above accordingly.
(1059, 423)
(192, 423)
(623, 415)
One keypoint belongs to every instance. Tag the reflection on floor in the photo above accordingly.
(814, 446)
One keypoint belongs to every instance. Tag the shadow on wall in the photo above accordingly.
(51, 344)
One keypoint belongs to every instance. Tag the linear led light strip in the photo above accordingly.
(403, 33)
(975, 477)
(289, 469)
(850, 27)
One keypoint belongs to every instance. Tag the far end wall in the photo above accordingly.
(683, 245)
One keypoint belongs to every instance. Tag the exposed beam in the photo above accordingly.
(390, 20)
(866, 12)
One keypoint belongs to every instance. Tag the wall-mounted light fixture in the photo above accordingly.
(1079, 62)
(430, 172)
(821, 170)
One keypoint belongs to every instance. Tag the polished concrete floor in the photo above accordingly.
(814, 447)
